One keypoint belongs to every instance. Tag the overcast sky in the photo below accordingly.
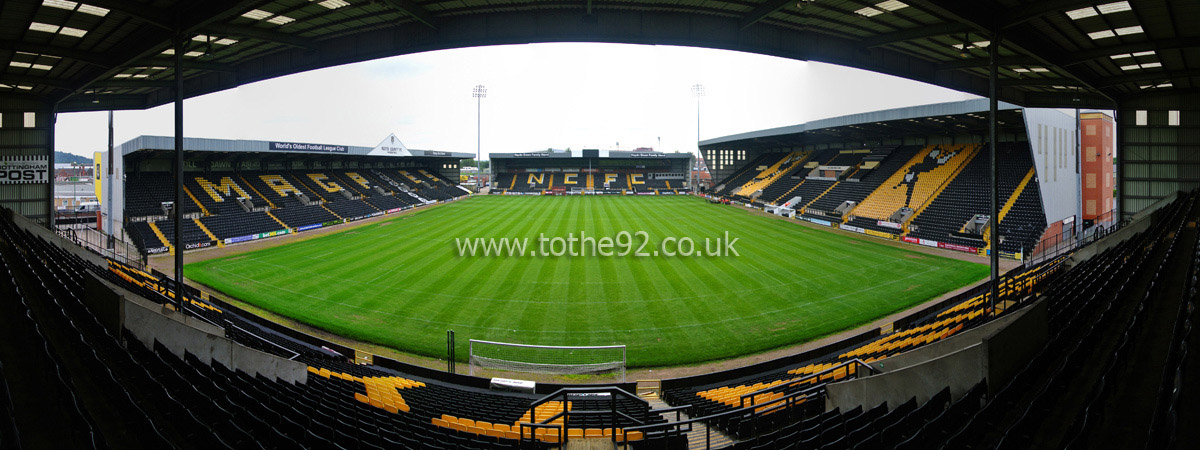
(538, 96)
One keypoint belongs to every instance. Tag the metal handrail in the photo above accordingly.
(805, 379)
(561, 396)
(750, 411)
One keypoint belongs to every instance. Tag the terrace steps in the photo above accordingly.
(897, 192)
(162, 238)
(1008, 205)
(203, 210)
(830, 188)
(773, 172)
(701, 437)
(259, 194)
(331, 212)
(973, 152)
(205, 230)
(276, 219)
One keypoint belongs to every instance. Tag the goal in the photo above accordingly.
(604, 360)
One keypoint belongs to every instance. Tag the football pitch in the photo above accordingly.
(402, 283)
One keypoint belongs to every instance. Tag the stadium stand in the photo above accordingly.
(888, 160)
(360, 406)
(929, 194)
(733, 184)
(146, 192)
(234, 205)
(1098, 337)
(774, 193)
(772, 173)
(236, 225)
(1112, 319)
(922, 178)
(944, 218)
(222, 195)
(299, 216)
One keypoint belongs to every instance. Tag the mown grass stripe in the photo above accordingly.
(400, 283)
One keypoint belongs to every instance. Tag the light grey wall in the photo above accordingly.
(1052, 138)
(993, 352)
(150, 322)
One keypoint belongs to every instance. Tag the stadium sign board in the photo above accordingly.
(850, 228)
(957, 247)
(309, 227)
(819, 221)
(884, 223)
(157, 250)
(531, 155)
(198, 245)
(880, 234)
(305, 147)
(24, 169)
(253, 237)
(390, 146)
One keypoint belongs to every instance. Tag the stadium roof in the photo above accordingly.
(968, 116)
(114, 54)
(600, 154)
(235, 146)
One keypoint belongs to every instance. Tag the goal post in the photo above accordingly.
(547, 359)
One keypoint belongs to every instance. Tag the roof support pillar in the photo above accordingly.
(177, 210)
(993, 67)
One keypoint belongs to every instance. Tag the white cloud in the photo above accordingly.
(541, 95)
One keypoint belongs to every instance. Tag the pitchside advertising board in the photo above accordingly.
(819, 221)
(24, 170)
(196, 245)
(305, 147)
(254, 237)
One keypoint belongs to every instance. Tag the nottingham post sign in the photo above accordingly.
(24, 169)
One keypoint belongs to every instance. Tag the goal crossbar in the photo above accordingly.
(552, 359)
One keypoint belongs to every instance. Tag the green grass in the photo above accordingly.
(400, 282)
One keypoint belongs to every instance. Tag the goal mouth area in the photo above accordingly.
(547, 359)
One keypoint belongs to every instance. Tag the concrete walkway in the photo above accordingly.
(701, 437)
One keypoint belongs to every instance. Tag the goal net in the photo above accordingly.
(548, 359)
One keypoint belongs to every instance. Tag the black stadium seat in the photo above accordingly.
(99, 388)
